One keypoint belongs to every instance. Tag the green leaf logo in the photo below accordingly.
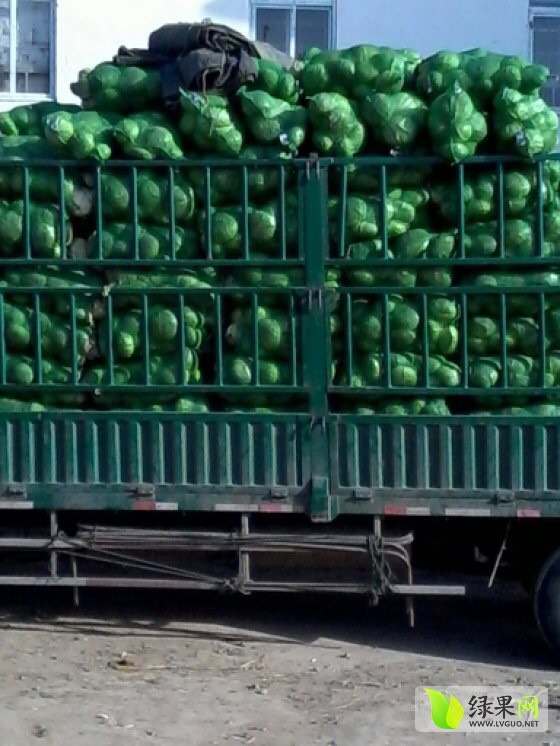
(446, 713)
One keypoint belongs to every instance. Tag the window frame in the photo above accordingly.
(542, 11)
(12, 95)
(293, 6)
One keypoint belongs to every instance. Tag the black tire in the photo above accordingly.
(546, 601)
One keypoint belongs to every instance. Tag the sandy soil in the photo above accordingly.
(203, 670)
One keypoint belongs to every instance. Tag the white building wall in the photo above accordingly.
(89, 31)
(432, 25)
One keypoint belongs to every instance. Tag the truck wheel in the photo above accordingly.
(546, 601)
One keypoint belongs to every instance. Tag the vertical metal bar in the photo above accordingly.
(399, 456)
(3, 355)
(157, 460)
(219, 340)
(135, 231)
(351, 451)
(91, 455)
(540, 210)
(146, 338)
(492, 456)
(172, 226)
(425, 341)
(376, 455)
(461, 185)
(62, 211)
(182, 341)
(422, 457)
(114, 463)
(446, 457)
(542, 340)
(110, 346)
(133, 446)
(282, 205)
(386, 330)
(99, 211)
(469, 456)
(343, 208)
(53, 554)
(26, 213)
(73, 339)
(501, 213)
(208, 212)
(292, 341)
(38, 337)
(179, 453)
(541, 459)
(503, 341)
(245, 210)
(244, 556)
(349, 338)
(517, 458)
(269, 450)
(255, 338)
(383, 212)
(465, 339)
(314, 191)
(70, 452)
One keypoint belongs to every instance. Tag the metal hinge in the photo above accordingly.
(312, 162)
(362, 493)
(13, 491)
(318, 421)
(142, 490)
(503, 498)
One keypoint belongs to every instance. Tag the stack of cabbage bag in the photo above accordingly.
(518, 315)
(48, 338)
(363, 100)
(141, 338)
(60, 205)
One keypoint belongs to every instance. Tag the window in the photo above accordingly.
(545, 25)
(293, 28)
(26, 48)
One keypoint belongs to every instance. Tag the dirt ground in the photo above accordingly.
(149, 668)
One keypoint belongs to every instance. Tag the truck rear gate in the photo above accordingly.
(189, 484)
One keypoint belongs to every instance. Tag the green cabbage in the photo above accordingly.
(276, 81)
(117, 196)
(335, 126)
(154, 242)
(226, 183)
(83, 135)
(27, 120)
(44, 230)
(119, 89)
(148, 136)
(208, 123)
(395, 120)
(357, 71)
(524, 125)
(164, 331)
(272, 121)
(456, 127)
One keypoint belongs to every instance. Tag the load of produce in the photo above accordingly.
(400, 242)
(152, 340)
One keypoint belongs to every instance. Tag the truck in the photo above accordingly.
(279, 485)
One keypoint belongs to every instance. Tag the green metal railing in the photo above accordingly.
(315, 449)
(313, 253)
